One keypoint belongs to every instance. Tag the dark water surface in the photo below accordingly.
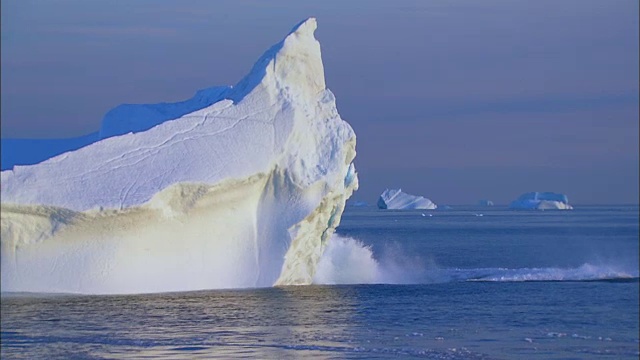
(470, 283)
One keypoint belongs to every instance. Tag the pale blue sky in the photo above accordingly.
(454, 100)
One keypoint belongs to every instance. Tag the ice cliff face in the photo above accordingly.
(541, 201)
(243, 192)
(398, 200)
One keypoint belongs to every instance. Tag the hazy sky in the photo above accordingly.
(454, 100)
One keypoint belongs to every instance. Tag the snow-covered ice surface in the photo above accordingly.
(398, 200)
(244, 192)
(122, 119)
(32, 151)
(541, 201)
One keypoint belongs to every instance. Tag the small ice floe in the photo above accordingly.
(423, 214)
(478, 214)
(529, 340)
(556, 334)
(439, 338)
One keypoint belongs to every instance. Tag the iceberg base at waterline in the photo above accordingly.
(188, 237)
(244, 192)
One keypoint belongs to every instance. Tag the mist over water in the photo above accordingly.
(349, 261)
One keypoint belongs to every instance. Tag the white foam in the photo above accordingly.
(349, 261)
(585, 272)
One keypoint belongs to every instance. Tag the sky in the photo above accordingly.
(454, 100)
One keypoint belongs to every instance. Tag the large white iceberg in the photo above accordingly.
(244, 192)
(541, 201)
(398, 200)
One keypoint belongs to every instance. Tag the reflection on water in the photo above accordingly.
(467, 320)
(266, 323)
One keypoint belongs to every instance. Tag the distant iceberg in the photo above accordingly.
(398, 200)
(238, 187)
(485, 203)
(541, 201)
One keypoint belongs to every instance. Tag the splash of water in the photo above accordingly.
(349, 261)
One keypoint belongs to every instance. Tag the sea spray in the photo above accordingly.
(349, 261)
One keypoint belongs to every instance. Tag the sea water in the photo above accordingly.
(462, 283)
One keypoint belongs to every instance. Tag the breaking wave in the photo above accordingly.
(349, 261)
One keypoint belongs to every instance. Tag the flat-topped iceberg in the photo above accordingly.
(541, 201)
(239, 187)
(398, 200)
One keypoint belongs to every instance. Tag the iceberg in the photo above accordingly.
(485, 203)
(541, 201)
(241, 186)
(33, 151)
(120, 120)
(398, 200)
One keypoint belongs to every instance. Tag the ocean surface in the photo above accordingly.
(461, 283)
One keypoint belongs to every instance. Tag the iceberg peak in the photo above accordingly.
(293, 67)
(305, 27)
